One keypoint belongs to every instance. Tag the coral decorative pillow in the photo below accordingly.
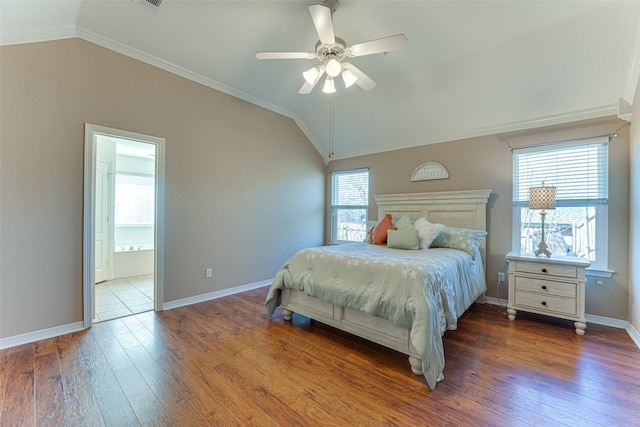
(379, 233)
(370, 226)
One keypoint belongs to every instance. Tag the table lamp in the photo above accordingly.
(542, 198)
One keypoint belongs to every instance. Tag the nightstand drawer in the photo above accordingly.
(546, 269)
(546, 287)
(546, 303)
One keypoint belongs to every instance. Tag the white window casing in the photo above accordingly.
(349, 205)
(578, 226)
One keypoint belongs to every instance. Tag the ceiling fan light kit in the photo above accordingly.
(312, 75)
(329, 85)
(331, 51)
(333, 68)
(348, 77)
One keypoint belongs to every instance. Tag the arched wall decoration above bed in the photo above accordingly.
(429, 171)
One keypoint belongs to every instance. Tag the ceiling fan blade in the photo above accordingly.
(285, 55)
(385, 44)
(307, 88)
(363, 81)
(321, 16)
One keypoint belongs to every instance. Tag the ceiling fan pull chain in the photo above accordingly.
(331, 127)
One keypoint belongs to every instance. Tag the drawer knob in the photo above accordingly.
(544, 270)
(544, 287)
(544, 303)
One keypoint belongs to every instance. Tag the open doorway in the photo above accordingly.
(123, 223)
(124, 227)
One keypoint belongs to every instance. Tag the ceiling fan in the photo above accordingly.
(332, 50)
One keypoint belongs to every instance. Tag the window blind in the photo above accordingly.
(350, 188)
(579, 173)
(134, 199)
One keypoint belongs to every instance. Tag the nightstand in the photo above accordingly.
(553, 286)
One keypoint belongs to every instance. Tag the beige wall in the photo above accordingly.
(634, 235)
(485, 163)
(244, 187)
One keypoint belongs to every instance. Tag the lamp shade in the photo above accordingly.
(329, 85)
(542, 197)
(348, 77)
(311, 75)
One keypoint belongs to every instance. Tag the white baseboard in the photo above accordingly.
(43, 334)
(607, 321)
(591, 318)
(214, 295)
(633, 333)
(78, 326)
(496, 301)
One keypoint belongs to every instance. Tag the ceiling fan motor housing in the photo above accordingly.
(326, 53)
(331, 4)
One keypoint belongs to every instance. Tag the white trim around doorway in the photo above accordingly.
(91, 131)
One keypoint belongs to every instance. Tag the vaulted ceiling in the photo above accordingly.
(471, 67)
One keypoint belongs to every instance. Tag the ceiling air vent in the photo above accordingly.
(151, 4)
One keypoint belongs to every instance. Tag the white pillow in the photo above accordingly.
(426, 231)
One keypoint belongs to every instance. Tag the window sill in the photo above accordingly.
(599, 273)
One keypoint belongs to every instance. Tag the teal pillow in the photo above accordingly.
(463, 239)
(405, 221)
(403, 238)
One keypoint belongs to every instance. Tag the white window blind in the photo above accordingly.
(349, 205)
(351, 188)
(579, 173)
(578, 225)
(135, 199)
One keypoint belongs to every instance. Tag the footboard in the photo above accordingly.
(372, 328)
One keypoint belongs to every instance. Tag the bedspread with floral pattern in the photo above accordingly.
(424, 291)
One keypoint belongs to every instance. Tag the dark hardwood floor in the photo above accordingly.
(224, 363)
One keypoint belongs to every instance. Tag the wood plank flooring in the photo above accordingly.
(224, 363)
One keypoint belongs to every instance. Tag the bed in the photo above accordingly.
(402, 299)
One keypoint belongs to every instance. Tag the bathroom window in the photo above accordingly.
(135, 199)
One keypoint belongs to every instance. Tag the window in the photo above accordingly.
(135, 199)
(349, 205)
(578, 226)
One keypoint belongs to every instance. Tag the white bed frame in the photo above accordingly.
(465, 209)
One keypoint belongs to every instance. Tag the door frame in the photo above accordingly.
(90, 154)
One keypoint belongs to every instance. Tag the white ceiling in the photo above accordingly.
(472, 67)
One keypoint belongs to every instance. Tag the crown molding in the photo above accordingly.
(311, 137)
(557, 119)
(70, 31)
(633, 75)
(139, 55)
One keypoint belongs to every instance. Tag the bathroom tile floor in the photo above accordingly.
(123, 297)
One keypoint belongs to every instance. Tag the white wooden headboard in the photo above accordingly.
(464, 209)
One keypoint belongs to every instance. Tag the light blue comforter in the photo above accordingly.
(425, 291)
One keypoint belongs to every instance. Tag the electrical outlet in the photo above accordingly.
(500, 277)
(208, 273)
